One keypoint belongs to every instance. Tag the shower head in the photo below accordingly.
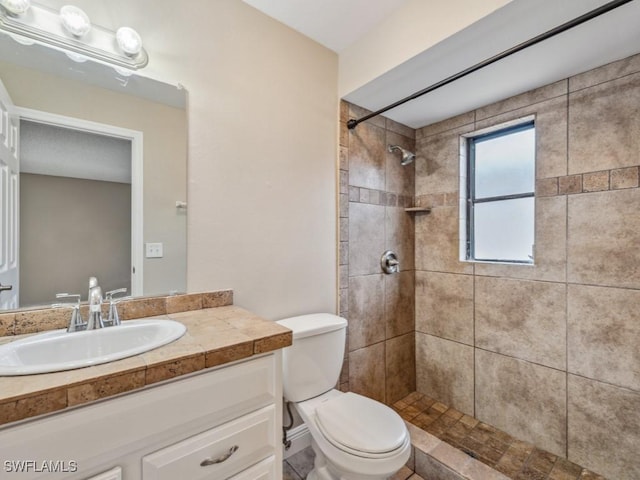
(407, 156)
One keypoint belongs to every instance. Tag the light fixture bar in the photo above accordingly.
(43, 25)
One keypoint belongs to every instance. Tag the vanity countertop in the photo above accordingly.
(214, 336)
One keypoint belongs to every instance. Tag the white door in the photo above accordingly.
(9, 202)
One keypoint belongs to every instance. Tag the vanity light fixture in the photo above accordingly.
(16, 7)
(71, 32)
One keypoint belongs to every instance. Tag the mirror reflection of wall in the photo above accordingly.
(75, 199)
(162, 124)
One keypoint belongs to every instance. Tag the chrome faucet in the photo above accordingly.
(95, 320)
(95, 305)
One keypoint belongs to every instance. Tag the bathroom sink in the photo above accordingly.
(59, 350)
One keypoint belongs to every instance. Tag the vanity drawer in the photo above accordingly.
(229, 449)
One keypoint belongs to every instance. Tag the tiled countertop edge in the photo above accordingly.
(214, 336)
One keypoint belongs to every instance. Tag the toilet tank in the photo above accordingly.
(312, 364)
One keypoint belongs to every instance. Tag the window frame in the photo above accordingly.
(471, 199)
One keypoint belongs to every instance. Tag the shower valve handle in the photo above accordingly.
(389, 262)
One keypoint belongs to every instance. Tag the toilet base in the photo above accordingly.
(323, 469)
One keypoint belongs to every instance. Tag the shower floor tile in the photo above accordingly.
(502, 452)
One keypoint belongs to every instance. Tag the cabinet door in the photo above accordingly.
(113, 474)
(264, 470)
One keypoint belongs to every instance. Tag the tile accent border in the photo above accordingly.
(591, 182)
(378, 197)
(42, 319)
(601, 181)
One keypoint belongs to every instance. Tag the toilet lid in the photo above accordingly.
(361, 425)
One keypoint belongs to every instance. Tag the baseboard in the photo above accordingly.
(300, 439)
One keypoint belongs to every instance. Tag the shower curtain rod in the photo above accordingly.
(607, 7)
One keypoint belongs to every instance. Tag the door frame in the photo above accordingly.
(137, 159)
(10, 192)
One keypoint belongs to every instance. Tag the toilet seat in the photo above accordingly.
(361, 426)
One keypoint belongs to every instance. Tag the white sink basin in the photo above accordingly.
(58, 350)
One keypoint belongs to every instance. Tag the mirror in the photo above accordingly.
(52, 91)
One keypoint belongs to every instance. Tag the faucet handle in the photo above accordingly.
(76, 322)
(66, 295)
(109, 295)
(114, 318)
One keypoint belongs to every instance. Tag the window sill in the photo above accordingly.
(498, 262)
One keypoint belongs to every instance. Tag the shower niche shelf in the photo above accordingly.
(418, 210)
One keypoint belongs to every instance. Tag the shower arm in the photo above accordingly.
(607, 7)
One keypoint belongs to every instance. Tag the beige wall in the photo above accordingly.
(413, 28)
(374, 191)
(164, 146)
(548, 353)
(263, 114)
(53, 220)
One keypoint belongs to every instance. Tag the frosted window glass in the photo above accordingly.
(505, 165)
(504, 230)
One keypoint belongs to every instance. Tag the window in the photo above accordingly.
(500, 200)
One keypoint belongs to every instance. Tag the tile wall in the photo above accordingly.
(548, 353)
(374, 190)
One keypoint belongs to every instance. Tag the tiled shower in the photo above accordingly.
(374, 191)
(547, 353)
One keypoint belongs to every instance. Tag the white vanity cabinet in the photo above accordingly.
(113, 474)
(223, 423)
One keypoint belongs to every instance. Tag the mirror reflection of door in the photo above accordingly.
(9, 206)
(75, 201)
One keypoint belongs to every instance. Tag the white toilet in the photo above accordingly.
(353, 437)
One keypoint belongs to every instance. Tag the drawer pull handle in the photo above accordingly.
(220, 459)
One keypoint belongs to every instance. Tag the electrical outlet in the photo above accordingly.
(153, 250)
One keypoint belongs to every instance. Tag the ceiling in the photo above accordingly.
(612, 36)
(336, 24)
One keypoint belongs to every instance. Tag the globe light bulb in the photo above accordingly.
(129, 41)
(75, 21)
